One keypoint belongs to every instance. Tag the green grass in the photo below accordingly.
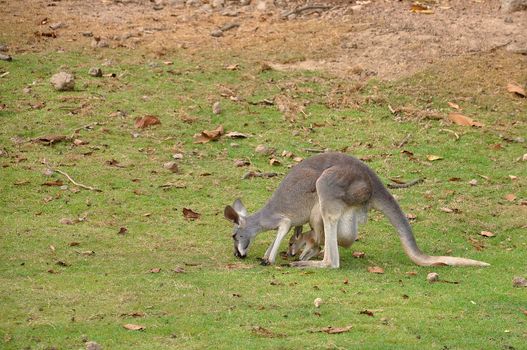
(219, 301)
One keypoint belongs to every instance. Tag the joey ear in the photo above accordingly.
(239, 207)
(231, 215)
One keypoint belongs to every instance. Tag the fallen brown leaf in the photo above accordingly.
(367, 313)
(358, 255)
(264, 332)
(516, 89)
(155, 270)
(50, 139)
(133, 327)
(432, 157)
(179, 269)
(486, 234)
(454, 105)
(189, 214)
(524, 311)
(375, 269)
(418, 8)
(335, 330)
(207, 136)
(122, 230)
(511, 197)
(460, 119)
(53, 183)
(146, 121)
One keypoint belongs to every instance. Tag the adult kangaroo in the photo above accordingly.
(336, 186)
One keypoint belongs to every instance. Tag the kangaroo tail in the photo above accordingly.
(383, 201)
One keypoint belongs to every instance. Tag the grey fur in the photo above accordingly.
(341, 186)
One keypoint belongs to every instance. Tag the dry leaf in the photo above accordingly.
(454, 105)
(375, 269)
(122, 230)
(511, 197)
(189, 214)
(134, 327)
(432, 157)
(146, 121)
(524, 311)
(232, 67)
(447, 210)
(366, 312)
(460, 119)
(264, 332)
(358, 255)
(50, 139)
(411, 273)
(486, 234)
(66, 221)
(274, 161)
(418, 8)
(155, 270)
(212, 135)
(335, 330)
(179, 269)
(516, 89)
(411, 216)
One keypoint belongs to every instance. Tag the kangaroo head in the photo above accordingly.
(243, 232)
(296, 242)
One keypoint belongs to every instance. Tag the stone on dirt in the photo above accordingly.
(63, 81)
(217, 33)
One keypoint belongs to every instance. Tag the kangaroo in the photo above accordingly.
(342, 186)
(311, 241)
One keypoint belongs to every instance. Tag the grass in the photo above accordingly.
(55, 292)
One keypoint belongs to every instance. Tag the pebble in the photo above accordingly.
(172, 166)
(63, 81)
(91, 345)
(216, 108)
(5, 57)
(217, 33)
(95, 72)
(432, 277)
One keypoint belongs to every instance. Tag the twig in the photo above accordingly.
(405, 185)
(404, 141)
(76, 183)
(305, 8)
(87, 126)
(314, 150)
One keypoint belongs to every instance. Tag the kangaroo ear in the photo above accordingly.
(239, 207)
(231, 215)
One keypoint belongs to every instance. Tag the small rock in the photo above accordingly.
(473, 182)
(317, 302)
(217, 33)
(172, 166)
(95, 72)
(91, 345)
(158, 7)
(26, 90)
(245, 2)
(5, 57)
(519, 282)
(432, 277)
(63, 81)
(87, 34)
(48, 172)
(216, 108)
(177, 156)
(262, 149)
(55, 26)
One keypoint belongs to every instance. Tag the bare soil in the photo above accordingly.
(357, 38)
